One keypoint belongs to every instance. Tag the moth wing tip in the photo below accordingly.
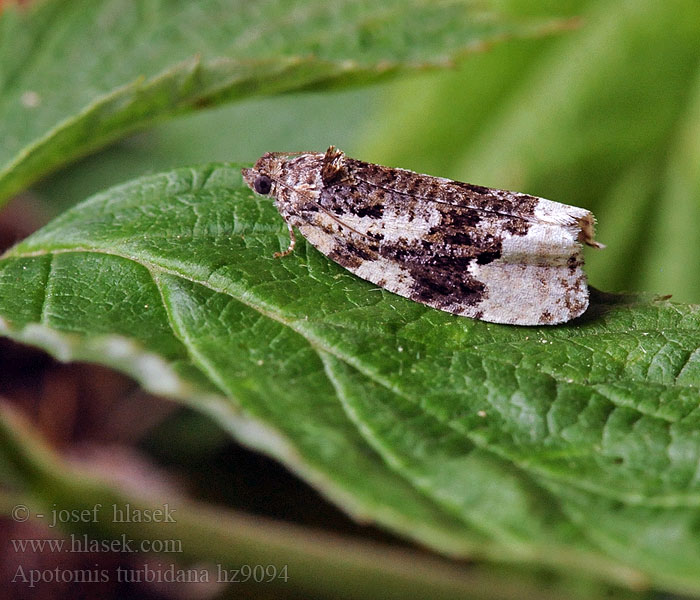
(586, 224)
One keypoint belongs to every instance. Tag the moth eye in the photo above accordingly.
(263, 185)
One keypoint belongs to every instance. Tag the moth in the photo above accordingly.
(478, 252)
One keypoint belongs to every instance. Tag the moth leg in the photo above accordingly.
(292, 243)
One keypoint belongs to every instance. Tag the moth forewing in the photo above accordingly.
(484, 253)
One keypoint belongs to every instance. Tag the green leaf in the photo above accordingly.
(573, 446)
(317, 563)
(321, 119)
(76, 75)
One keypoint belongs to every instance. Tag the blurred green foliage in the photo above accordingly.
(604, 116)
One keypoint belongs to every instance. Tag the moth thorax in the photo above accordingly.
(301, 169)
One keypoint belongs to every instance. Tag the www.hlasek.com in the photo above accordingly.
(83, 544)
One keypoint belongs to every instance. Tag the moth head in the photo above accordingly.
(303, 172)
(262, 184)
(261, 178)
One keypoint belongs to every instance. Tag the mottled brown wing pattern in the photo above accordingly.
(490, 254)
